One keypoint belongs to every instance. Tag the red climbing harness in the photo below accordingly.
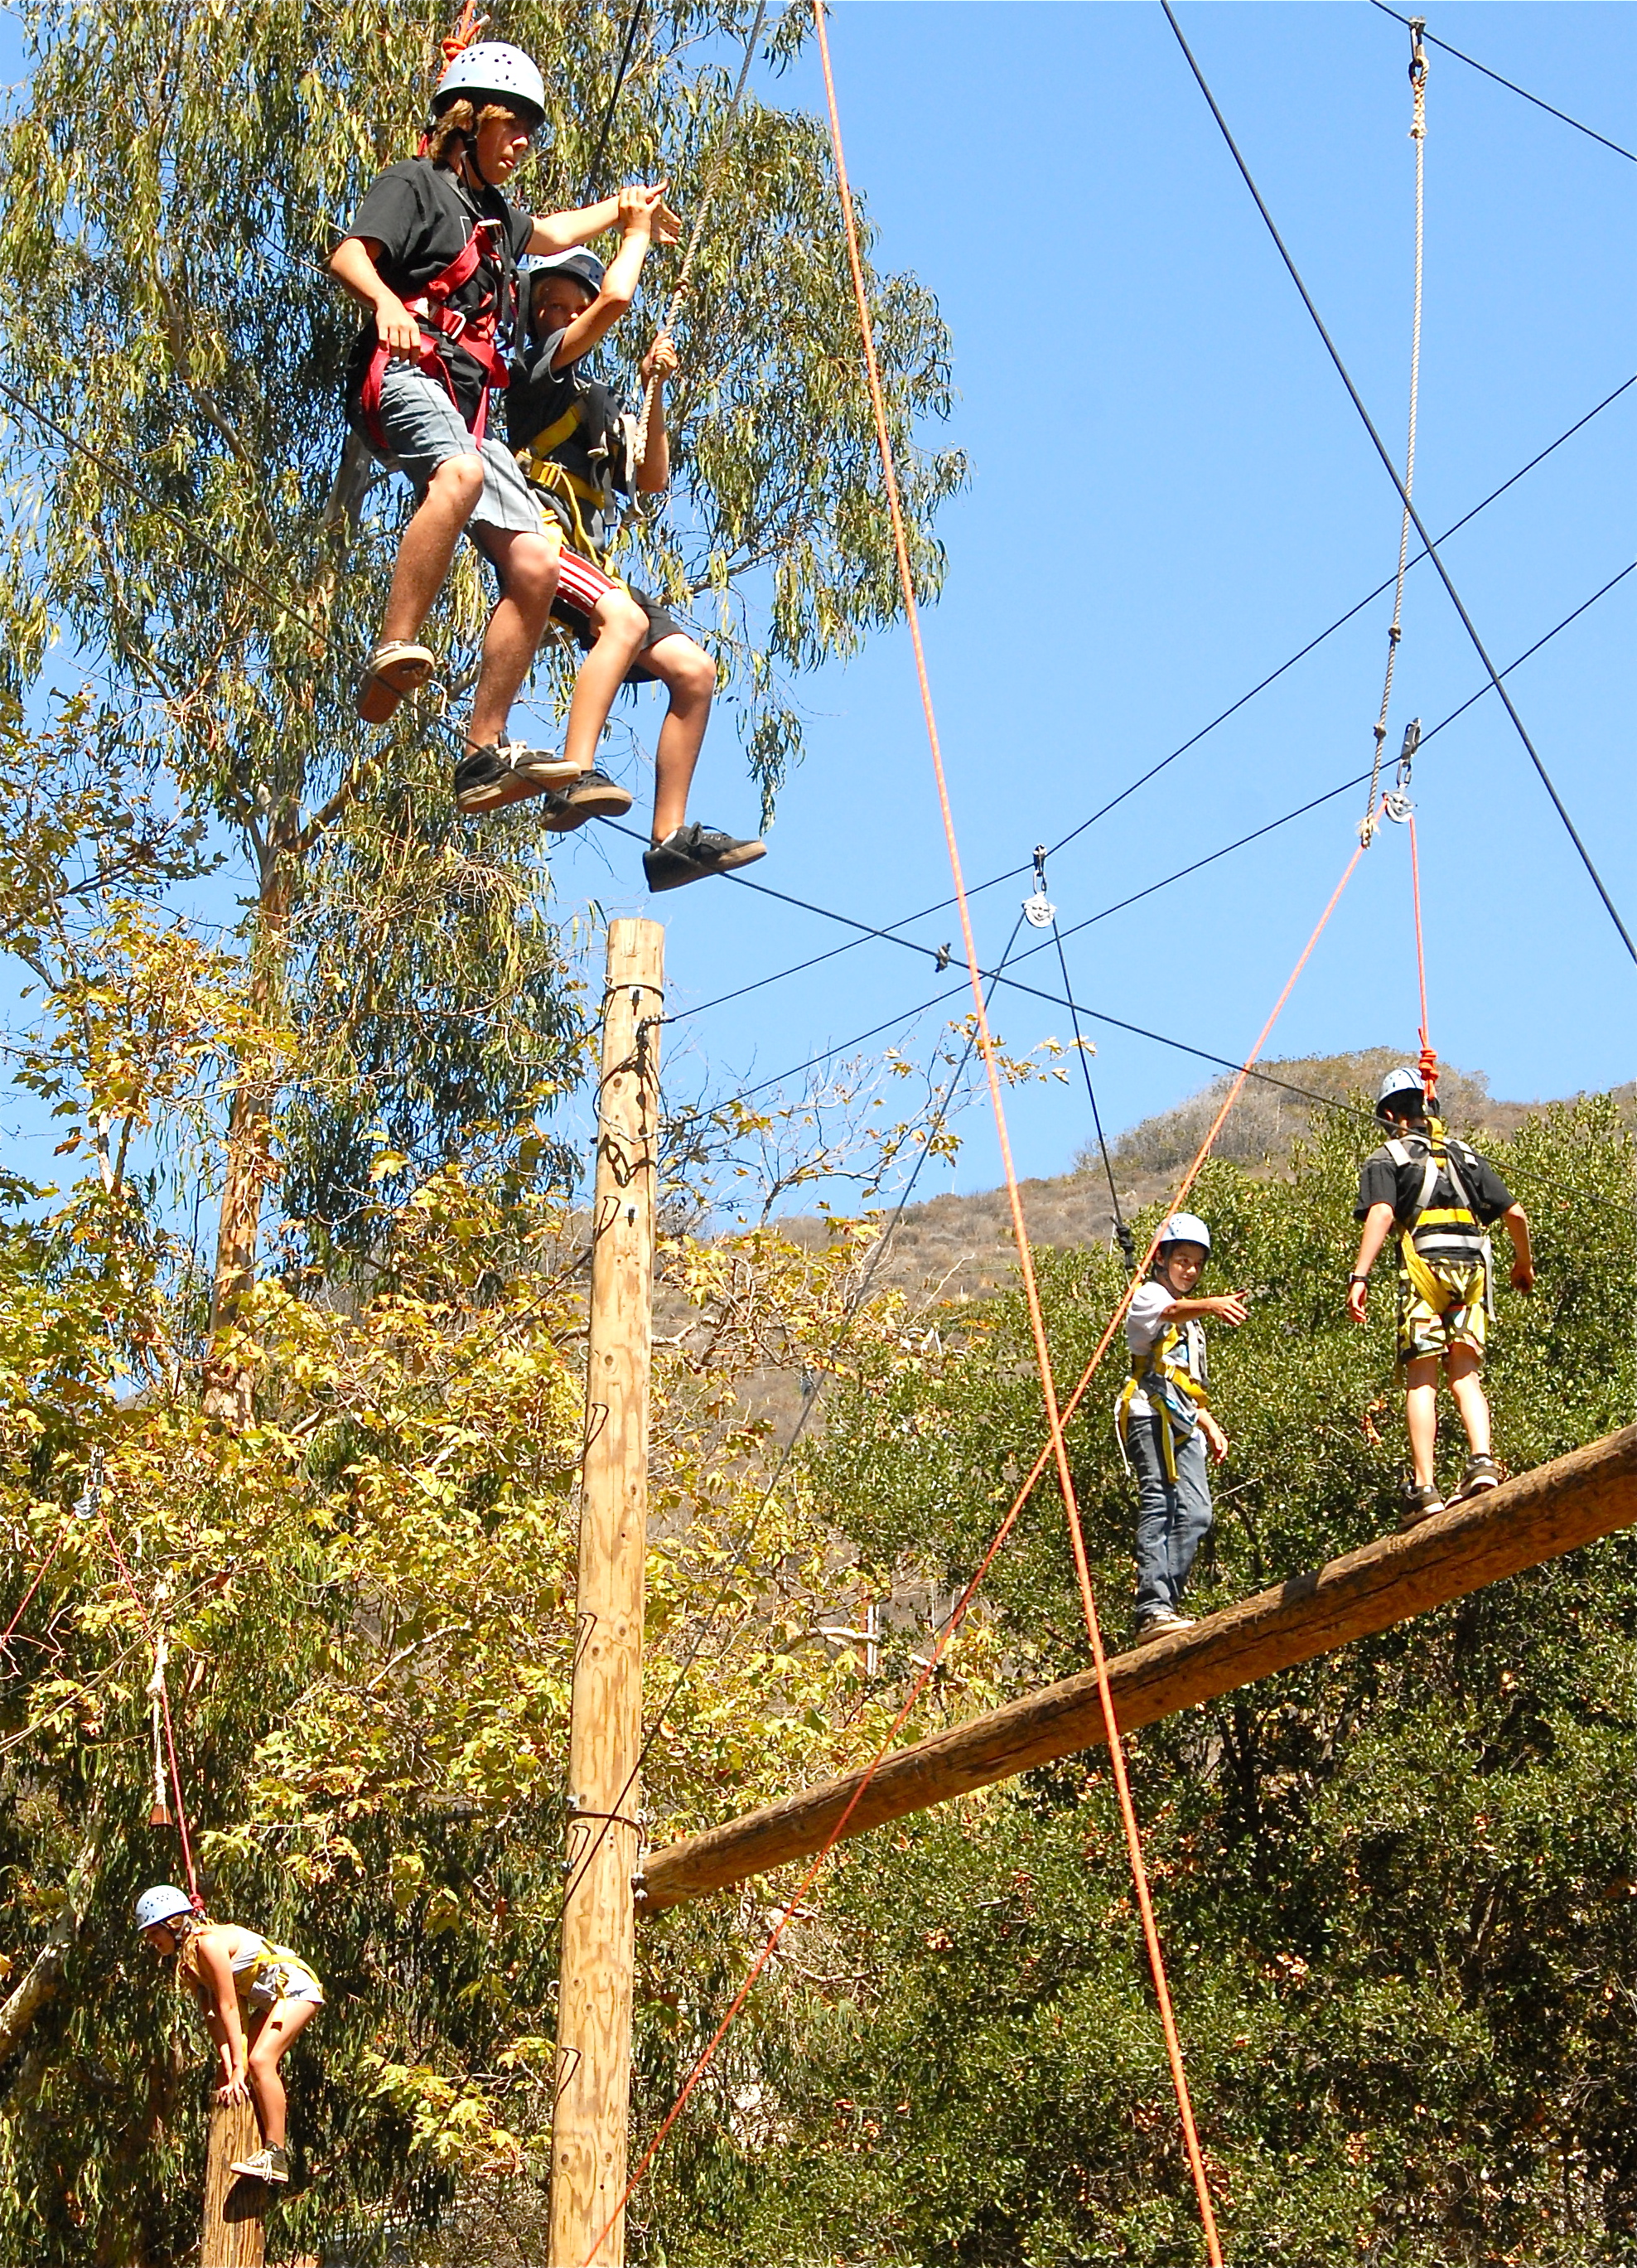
(442, 326)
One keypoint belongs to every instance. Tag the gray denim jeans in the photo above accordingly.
(1173, 1517)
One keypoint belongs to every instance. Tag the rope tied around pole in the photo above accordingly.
(1395, 633)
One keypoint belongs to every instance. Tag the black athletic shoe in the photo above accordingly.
(695, 851)
(266, 2166)
(594, 795)
(1481, 1472)
(1419, 1504)
(490, 778)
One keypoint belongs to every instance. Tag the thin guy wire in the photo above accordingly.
(809, 1402)
(1122, 1233)
(1418, 135)
(1160, 1039)
(958, 1612)
(1512, 87)
(1011, 873)
(1381, 449)
(594, 171)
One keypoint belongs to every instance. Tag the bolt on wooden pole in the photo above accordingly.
(234, 2232)
(598, 1949)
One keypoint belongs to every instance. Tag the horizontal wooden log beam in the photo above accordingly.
(1539, 1516)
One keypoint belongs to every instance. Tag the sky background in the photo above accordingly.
(1170, 495)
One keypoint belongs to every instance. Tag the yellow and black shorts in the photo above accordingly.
(1427, 1328)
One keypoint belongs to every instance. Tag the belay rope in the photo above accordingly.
(1418, 135)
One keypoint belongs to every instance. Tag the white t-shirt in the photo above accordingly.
(1145, 1320)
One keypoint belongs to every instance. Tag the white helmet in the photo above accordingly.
(164, 1903)
(496, 71)
(1186, 1228)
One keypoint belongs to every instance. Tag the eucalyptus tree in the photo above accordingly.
(171, 180)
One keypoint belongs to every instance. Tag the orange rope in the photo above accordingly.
(957, 1613)
(1037, 1320)
(42, 1572)
(468, 24)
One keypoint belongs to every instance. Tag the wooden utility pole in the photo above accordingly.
(234, 2234)
(598, 1949)
(1556, 1508)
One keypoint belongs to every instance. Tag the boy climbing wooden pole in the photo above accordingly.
(1439, 1197)
(579, 455)
(432, 254)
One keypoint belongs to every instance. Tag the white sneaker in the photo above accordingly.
(1160, 1623)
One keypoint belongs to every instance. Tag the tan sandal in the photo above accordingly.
(393, 670)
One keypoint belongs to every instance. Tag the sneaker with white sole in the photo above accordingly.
(490, 778)
(266, 2166)
(592, 796)
(690, 853)
(396, 667)
(1419, 1504)
(1160, 1623)
(1481, 1474)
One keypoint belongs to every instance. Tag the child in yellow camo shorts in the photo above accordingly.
(1440, 1196)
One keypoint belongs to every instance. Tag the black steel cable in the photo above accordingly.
(1511, 86)
(1381, 449)
(1012, 874)
(809, 1402)
(593, 172)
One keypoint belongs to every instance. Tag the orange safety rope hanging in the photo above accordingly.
(40, 1574)
(957, 1613)
(1037, 1322)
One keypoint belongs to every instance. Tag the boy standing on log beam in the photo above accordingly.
(1165, 1424)
(1440, 1196)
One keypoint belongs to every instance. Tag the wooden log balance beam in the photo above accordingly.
(1536, 1517)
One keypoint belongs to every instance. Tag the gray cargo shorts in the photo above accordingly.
(424, 429)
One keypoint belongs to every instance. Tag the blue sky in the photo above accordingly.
(1171, 494)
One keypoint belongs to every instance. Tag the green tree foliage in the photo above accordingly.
(170, 181)
(1395, 1886)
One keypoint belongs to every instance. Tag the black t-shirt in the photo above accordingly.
(1383, 1181)
(421, 217)
(538, 394)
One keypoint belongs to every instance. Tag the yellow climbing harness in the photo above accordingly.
(1422, 1271)
(1177, 1396)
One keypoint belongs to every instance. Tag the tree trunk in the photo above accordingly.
(40, 1979)
(248, 1161)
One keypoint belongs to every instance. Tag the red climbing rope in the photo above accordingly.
(123, 1565)
(958, 1615)
(1428, 1064)
(468, 24)
(1037, 1320)
(41, 1574)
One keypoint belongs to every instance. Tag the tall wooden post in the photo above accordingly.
(598, 1955)
(233, 2234)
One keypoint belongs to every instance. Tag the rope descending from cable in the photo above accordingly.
(712, 181)
(1083, 1049)
(1418, 135)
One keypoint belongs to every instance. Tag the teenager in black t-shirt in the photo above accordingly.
(1439, 1197)
(432, 253)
